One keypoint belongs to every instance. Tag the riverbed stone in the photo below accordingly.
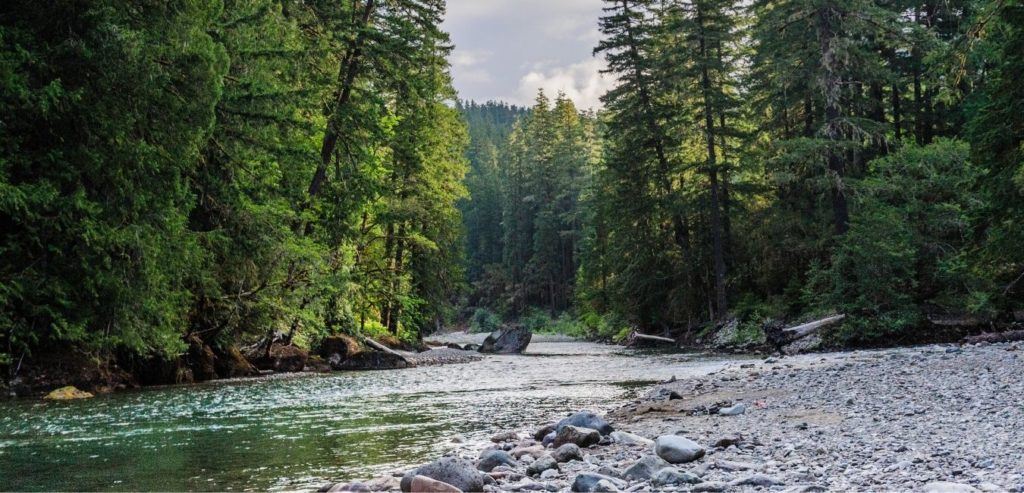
(678, 450)
(586, 419)
(644, 469)
(626, 438)
(508, 436)
(948, 487)
(735, 410)
(492, 458)
(534, 451)
(671, 476)
(582, 437)
(710, 487)
(423, 484)
(542, 464)
(567, 452)
(457, 472)
(588, 482)
(543, 432)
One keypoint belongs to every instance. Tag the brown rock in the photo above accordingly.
(423, 484)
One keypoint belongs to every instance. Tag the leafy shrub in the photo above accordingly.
(484, 320)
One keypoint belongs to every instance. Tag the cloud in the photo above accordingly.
(467, 58)
(581, 82)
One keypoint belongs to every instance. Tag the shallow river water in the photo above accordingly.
(301, 432)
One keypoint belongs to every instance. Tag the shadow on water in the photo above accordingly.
(300, 432)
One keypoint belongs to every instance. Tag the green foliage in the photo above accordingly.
(484, 320)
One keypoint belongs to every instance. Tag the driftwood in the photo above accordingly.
(779, 337)
(384, 349)
(636, 338)
(801, 331)
(1008, 336)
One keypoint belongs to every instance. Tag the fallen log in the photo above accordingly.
(384, 349)
(654, 338)
(636, 338)
(804, 330)
(1008, 336)
(779, 337)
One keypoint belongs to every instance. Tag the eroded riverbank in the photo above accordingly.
(934, 418)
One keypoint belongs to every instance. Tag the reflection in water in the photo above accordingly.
(303, 431)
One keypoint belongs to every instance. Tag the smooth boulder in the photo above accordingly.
(630, 439)
(677, 450)
(459, 473)
(581, 437)
(589, 482)
(586, 419)
(511, 340)
(492, 458)
(645, 468)
(542, 464)
(567, 452)
(423, 484)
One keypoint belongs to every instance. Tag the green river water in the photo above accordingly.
(300, 432)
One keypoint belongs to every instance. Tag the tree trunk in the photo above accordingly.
(347, 73)
(832, 85)
(717, 249)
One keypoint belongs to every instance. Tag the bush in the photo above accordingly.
(484, 320)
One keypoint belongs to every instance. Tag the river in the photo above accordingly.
(300, 432)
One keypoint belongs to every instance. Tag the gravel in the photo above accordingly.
(907, 419)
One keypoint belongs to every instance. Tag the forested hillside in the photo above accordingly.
(178, 178)
(775, 161)
(182, 180)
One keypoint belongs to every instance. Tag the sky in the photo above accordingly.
(507, 49)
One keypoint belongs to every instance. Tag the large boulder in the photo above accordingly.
(677, 450)
(231, 364)
(282, 358)
(338, 348)
(581, 437)
(586, 419)
(459, 473)
(423, 484)
(510, 340)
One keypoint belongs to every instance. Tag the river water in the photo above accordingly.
(301, 432)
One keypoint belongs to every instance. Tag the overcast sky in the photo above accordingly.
(507, 49)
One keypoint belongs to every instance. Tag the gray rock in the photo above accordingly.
(645, 468)
(736, 410)
(948, 487)
(510, 340)
(508, 436)
(671, 476)
(710, 487)
(586, 419)
(542, 464)
(550, 473)
(492, 458)
(728, 465)
(677, 450)
(459, 473)
(588, 482)
(731, 439)
(756, 480)
(543, 432)
(567, 452)
(582, 437)
(631, 439)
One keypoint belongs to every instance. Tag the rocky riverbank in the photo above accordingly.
(933, 418)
